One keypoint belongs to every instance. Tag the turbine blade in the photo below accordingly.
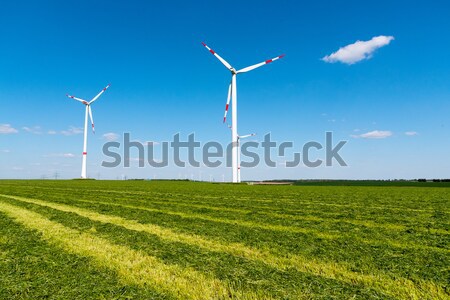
(247, 135)
(247, 69)
(228, 103)
(223, 61)
(98, 95)
(78, 99)
(92, 119)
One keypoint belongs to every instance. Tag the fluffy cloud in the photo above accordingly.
(111, 136)
(65, 155)
(358, 51)
(411, 133)
(376, 134)
(72, 131)
(33, 130)
(7, 129)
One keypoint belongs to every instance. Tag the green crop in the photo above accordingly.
(185, 240)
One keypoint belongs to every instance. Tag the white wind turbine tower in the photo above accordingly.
(88, 111)
(232, 93)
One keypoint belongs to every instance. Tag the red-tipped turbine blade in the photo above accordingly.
(260, 64)
(98, 95)
(223, 61)
(247, 135)
(92, 119)
(78, 99)
(228, 103)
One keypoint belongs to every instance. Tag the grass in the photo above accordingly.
(183, 240)
(398, 183)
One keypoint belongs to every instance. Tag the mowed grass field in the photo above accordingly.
(184, 240)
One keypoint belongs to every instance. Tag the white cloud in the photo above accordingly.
(33, 130)
(376, 134)
(358, 51)
(5, 151)
(111, 136)
(411, 133)
(66, 155)
(7, 129)
(72, 131)
(51, 132)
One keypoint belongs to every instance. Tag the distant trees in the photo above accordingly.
(434, 180)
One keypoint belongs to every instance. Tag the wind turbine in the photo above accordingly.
(88, 111)
(239, 137)
(239, 152)
(232, 93)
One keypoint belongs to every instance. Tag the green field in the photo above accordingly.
(183, 240)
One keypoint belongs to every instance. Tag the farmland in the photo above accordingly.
(184, 240)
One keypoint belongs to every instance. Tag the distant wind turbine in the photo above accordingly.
(232, 93)
(88, 112)
(239, 137)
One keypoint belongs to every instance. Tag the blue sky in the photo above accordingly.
(163, 82)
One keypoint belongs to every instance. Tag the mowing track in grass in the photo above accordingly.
(131, 266)
(398, 287)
